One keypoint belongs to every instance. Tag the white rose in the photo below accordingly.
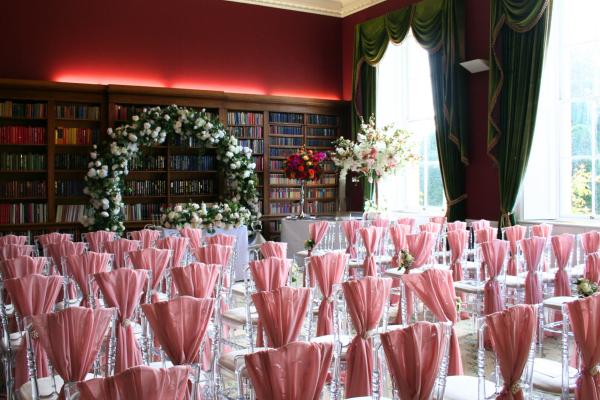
(132, 137)
(167, 117)
(103, 173)
(104, 214)
(229, 154)
(91, 173)
(172, 215)
(135, 118)
(178, 208)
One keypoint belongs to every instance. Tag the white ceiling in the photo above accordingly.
(333, 8)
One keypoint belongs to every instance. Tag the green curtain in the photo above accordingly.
(519, 34)
(438, 25)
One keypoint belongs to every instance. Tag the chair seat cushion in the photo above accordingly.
(16, 340)
(469, 286)
(238, 289)
(344, 339)
(515, 281)
(46, 387)
(547, 376)
(556, 303)
(233, 359)
(237, 316)
(462, 387)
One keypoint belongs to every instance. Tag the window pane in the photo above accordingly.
(432, 154)
(581, 187)
(421, 184)
(581, 138)
(435, 188)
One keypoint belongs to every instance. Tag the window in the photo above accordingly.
(404, 99)
(563, 175)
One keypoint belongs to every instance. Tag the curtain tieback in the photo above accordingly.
(505, 218)
(453, 202)
(593, 371)
(126, 323)
(516, 387)
(329, 299)
(33, 334)
(368, 334)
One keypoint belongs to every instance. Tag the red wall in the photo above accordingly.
(203, 44)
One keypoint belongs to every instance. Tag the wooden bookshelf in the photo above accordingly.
(80, 114)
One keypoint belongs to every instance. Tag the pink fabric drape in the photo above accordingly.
(54, 237)
(480, 224)
(440, 219)
(32, 295)
(562, 246)
(222, 239)
(138, 383)
(180, 326)
(155, 260)
(512, 332)
(408, 221)
(328, 270)
(456, 226)
(146, 237)
(72, 351)
(119, 248)
(432, 227)
(317, 231)
(273, 249)
(457, 241)
(414, 355)
(420, 246)
(196, 279)
(179, 246)
(81, 267)
(96, 240)
(436, 290)
(350, 228)
(592, 267)
(532, 251)
(398, 235)
(15, 250)
(583, 316)
(380, 222)
(13, 239)
(123, 289)
(63, 249)
(494, 254)
(485, 235)
(590, 242)
(195, 236)
(370, 237)
(282, 311)
(214, 254)
(365, 300)
(541, 230)
(296, 371)
(514, 234)
(22, 266)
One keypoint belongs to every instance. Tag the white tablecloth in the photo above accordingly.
(240, 233)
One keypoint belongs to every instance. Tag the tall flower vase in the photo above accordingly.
(302, 194)
(370, 197)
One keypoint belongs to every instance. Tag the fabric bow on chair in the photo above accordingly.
(223, 240)
(23, 266)
(562, 246)
(370, 237)
(398, 235)
(590, 242)
(96, 240)
(543, 231)
(365, 299)
(457, 241)
(81, 267)
(155, 260)
(178, 245)
(328, 270)
(196, 279)
(514, 234)
(532, 251)
(350, 228)
(13, 239)
(194, 235)
(119, 248)
(432, 227)
(146, 237)
(123, 289)
(592, 267)
(274, 249)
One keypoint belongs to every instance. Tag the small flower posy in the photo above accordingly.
(309, 244)
(585, 287)
(406, 261)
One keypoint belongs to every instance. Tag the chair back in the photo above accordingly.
(194, 235)
(13, 239)
(96, 240)
(146, 237)
(23, 266)
(273, 249)
(17, 250)
(197, 280)
(119, 248)
(81, 267)
(179, 246)
(59, 250)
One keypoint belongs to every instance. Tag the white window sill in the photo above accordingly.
(575, 223)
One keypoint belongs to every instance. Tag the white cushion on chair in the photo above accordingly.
(393, 273)
(72, 303)
(16, 340)
(547, 376)
(577, 270)
(515, 281)
(468, 287)
(237, 316)
(344, 339)
(45, 387)
(557, 302)
(227, 360)
(159, 364)
(462, 387)
(390, 327)
(367, 398)
(302, 253)
(238, 289)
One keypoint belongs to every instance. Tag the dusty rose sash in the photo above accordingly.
(440, 219)
(592, 267)
(350, 228)
(316, 232)
(380, 222)
(22, 266)
(328, 270)
(119, 248)
(274, 249)
(81, 267)
(456, 226)
(370, 237)
(96, 240)
(222, 239)
(195, 236)
(155, 260)
(408, 221)
(562, 246)
(13, 239)
(542, 230)
(457, 241)
(514, 234)
(15, 250)
(54, 237)
(480, 224)
(146, 237)
(178, 245)
(63, 249)
(532, 251)
(590, 242)
(432, 227)
(196, 279)
(398, 235)
(494, 255)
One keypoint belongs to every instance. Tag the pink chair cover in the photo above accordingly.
(123, 289)
(32, 295)
(436, 290)
(414, 355)
(180, 326)
(15, 250)
(328, 270)
(282, 311)
(532, 251)
(222, 239)
(380, 222)
(514, 234)
(420, 246)
(274, 249)
(54, 237)
(590, 241)
(81, 267)
(592, 267)
(457, 241)
(432, 227)
(63, 249)
(147, 237)
(365, 300)
(350, 228)
(195, 236)
(512, 332)
(155, 260)
(119, 248)
(408, 221)
(440, 219)
(96, 240)
(214, 254)
(138, 383)
(541, 230)
(494, 255)
(296, 371)
(317, 231)
(370, 237)
(485, 235)
(72, 351)
(562, 246)
(196, 279)
(583, 315)
(179, 246)
(481, 224)
(22, 266)
(13, 239)
(398, 235)
(456, 226)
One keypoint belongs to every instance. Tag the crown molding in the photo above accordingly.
(332, 8)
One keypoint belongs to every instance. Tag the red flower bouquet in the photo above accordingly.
(304, 165)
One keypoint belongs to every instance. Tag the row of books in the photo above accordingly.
(70, 212)
(147, 187)
(22, 135)
(244, 118)
(279, 152)
(254, 132)
(16, 189)
(284, 208)
(276, 164)
(125, 112)
(87, 136)
(148, 162)
(142, 212)
(9, 109)
(274, 226)
(280, 179)
(77, 111)
(286, 141)
(193, 163)
(318, 143)
(186, 141)
(319, 119)
(71, 161)
(192, 187)
(294, 193)
(326, 132)
(23, 213)
(283, 117)
(22, 161)
(320, 207)
(259, 161)
(65, 188)
(257, 146)
(286, 130)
